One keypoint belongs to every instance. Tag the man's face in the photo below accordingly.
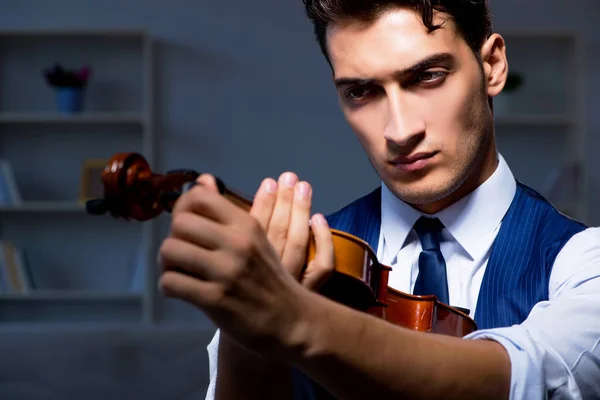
(418, 102)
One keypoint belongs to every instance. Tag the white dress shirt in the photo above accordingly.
(555, 352)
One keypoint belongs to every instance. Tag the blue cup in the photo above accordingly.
(70, 100)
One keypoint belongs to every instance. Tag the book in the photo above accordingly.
(9, 191)
(15, 274)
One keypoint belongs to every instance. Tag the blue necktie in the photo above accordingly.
(432, 267)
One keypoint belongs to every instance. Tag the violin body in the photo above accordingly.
(133, 191)
(361, 282)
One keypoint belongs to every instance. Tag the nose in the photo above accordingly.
(405, 126)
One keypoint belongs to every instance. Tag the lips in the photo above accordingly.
(413, 163)
(412, 158)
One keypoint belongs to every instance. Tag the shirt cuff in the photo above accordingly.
(213, 359)
(526, 360)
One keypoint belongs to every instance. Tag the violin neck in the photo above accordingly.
(235, 197)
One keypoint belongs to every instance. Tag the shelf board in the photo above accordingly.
(534, 120)
(70, 307)
(29, 327)
(65, 295)
(71, 295)
(43, 206)
(75, 32)
(571, 208)
(537, 34)
(83, 118)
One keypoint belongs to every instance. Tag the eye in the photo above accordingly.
(431, 77)
(357, 93)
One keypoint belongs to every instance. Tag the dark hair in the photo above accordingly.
(471, 17)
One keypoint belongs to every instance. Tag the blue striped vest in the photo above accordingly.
(518, 271)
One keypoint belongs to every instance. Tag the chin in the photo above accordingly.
(421, 197)
(424, 191)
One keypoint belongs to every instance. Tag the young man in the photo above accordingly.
(415, 82)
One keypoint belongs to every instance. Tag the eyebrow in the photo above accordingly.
(427, 62)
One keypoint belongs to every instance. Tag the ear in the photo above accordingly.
(495, 64)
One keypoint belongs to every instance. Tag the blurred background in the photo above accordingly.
(235, 88)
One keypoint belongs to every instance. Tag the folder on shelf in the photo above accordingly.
(15, 275)
(9, 192)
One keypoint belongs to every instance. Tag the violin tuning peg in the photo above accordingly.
(96, 207)
(189, 172)
(167, 197)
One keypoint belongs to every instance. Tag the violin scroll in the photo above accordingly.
(132, 191)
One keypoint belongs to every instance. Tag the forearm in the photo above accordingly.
(355, 356)
(243, 375)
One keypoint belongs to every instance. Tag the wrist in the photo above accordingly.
(309, 321)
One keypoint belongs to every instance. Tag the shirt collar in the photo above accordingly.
(486, 205)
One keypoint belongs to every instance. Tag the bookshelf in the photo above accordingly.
(84, 268)
(540, 128)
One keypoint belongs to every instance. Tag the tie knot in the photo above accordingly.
(429, 230)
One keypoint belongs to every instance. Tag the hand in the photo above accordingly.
(283, 210)
(219, 258)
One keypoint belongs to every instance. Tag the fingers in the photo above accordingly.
(321, 267)
(200, 293)
(178, 255)
(207, 202)
(264, 202)
(278, 225)
(283, 210)
(196, 230)
(294, 254)
(208, 181)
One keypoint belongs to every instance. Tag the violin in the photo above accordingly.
(132, 191)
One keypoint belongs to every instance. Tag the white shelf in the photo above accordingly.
(83, 118)
(534, 120)
(76, 33)
(70, 307)
(43, 206)
(570, 208)
(538, 34)
(64, 295)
